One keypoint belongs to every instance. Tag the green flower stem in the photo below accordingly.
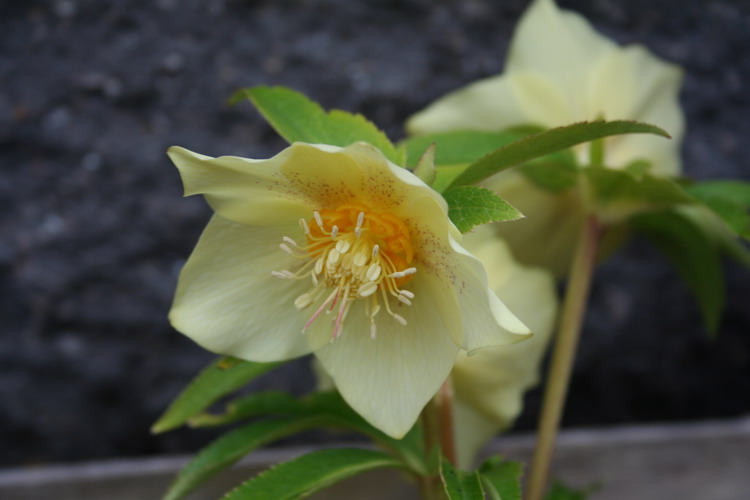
(558, 377)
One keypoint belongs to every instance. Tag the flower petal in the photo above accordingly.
(333, 176)
(633, 84)
(495, 103)
(389, 379)
(328, 176)
(487, 104)
(240, 189)
(457, 278)
(487, 320)
(228, 301)
(558, 44)
(472, 431)
(491, 383)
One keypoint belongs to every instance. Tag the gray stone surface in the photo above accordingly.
(93, 229)
(656, 462)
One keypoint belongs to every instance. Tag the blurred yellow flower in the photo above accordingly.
(354, 252)
(489, 386)
(559, 70)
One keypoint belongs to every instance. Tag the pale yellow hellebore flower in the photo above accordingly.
(559, 70)
(339, 252)
(489, 386)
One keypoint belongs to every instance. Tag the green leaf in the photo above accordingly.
(736, 250)
(330, 404)
(733, 214)
(221, 377)
(501, 478)
(711, 225)
(263, 403)
(544, 143)
(638, 167)
(596, 153)
(737, 191)
(332, 411)
(310, 473)
(444, 176)
(469, 206)
(456, 150)
(460, 147)
(460, 485)
(297, 118)
(618, 185)
(730, 200)
(695, 257)
(559, 491)
(230, 448)
(555, 172)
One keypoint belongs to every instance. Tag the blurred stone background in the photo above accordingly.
(93, 228)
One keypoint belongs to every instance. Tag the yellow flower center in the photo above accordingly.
(352, 253)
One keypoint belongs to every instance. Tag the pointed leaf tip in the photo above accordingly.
(469, 206)
(425, 168)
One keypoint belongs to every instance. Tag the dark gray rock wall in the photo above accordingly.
(93, 229)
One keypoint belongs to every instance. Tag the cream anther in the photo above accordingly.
(303, 301)
(400, 319)
(401, 274)
(286, 248)
(333, 257)
(403, 299)
(359, 259)
(318, 220)
(351, 255)
(368, 289)
(358, 227)
(373, 272)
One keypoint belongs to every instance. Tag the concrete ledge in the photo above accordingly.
(699, 461)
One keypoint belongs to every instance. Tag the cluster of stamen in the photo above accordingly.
(352, 253)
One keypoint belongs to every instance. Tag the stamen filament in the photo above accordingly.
(342, 307)
(354, 253)
(320, 310)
